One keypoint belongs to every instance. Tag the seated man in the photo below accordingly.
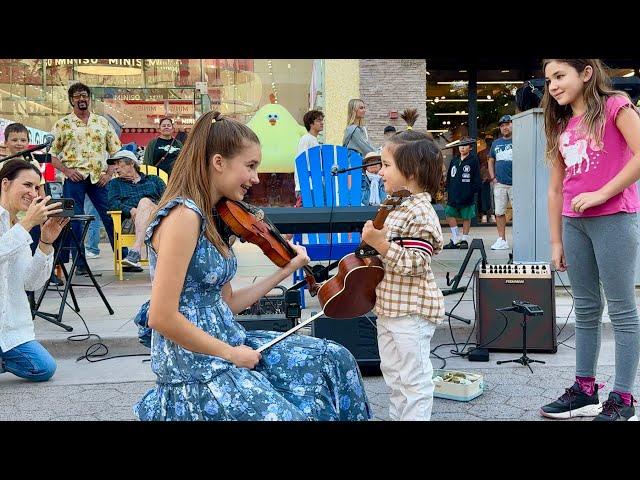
(136, 194)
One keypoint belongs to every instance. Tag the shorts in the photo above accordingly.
(502, 195)
(466, 213)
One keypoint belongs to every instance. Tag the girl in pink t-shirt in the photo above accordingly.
(593, 146)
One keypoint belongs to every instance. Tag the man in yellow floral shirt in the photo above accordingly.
(83, 140)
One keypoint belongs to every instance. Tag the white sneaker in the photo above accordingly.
(89, 254)
(501, 244)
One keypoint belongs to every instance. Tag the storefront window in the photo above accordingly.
(135, 93)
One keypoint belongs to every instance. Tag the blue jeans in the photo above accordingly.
(92, 243)
(98, 196)
(29, 360)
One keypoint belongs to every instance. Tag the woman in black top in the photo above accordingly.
(162, 151)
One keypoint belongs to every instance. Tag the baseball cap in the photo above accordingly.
(504, 119)
(123, 154)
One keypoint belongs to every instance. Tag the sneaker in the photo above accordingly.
(129, 268)
(500, 244)
(89, 254)
(463, 244)
(614, 409)
(133, 258)
(450, 245)
(484, 219)
(492, 219)
(573, 403)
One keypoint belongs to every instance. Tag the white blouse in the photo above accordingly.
(19, 271)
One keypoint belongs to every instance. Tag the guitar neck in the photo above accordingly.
(378, 223)
(381, 216)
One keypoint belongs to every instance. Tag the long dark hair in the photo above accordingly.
(596, 91)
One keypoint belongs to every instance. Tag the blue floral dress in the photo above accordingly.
(300, 378)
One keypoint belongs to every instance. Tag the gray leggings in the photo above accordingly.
(604, 250)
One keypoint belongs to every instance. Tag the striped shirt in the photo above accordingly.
(408, 286)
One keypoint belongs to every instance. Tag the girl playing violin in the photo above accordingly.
(409, 304)
(206, 363)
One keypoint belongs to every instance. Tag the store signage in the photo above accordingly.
(160, 63)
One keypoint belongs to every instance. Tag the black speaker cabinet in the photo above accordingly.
(274, 322)
(358, 335)
(497, 286)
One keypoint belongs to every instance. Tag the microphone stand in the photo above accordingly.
(335, 171)
(46, 145)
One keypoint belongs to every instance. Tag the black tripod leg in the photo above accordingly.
(80, 255)
(104, 299)
(69, 286)
(51, 317)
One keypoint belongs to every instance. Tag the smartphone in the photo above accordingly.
(54, 190)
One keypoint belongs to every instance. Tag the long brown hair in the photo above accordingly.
(596, 91)
(191, 174)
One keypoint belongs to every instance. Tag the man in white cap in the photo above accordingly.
(136, 195)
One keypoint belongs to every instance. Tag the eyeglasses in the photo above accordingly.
(78, 96)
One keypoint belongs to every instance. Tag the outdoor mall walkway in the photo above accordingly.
(106, 390)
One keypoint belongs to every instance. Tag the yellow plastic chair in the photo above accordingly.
(120, 239)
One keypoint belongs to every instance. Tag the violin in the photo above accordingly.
(250, 224)
(352, 291)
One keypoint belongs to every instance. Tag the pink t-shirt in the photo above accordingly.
(588, 168)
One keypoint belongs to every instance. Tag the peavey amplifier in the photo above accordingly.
(497, 286)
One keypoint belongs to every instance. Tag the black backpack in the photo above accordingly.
(528, 96)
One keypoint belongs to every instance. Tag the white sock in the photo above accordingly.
(454, 234)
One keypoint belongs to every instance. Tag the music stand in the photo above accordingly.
(531, 310)
(476, 244)
(59, 245)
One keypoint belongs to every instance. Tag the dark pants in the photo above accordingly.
(484, 199)
(98, 196)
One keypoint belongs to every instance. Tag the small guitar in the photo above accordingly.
(352, 291)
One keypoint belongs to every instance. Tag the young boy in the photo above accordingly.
(463, 182)
(409, 304)
(16, 139)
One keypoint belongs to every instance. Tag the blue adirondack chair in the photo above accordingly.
(319, 188)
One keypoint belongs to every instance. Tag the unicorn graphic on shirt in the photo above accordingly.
(574, 153)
